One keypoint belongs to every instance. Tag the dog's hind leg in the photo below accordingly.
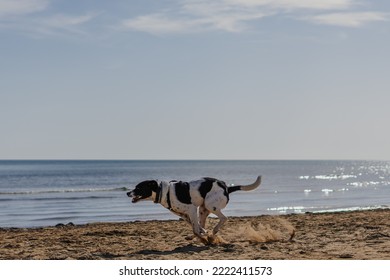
(222, 220)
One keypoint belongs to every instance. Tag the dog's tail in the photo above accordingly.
(246, 187)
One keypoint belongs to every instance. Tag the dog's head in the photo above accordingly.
(143, 191)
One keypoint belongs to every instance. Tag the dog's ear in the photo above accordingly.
(153, 185)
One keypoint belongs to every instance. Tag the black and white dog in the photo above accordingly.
(193, 201)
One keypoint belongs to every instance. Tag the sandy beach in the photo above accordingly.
(345, 235)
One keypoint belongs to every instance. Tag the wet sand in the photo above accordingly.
(347, 235)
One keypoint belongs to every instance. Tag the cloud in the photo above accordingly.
(349, 19)
(157, 23)
(61, 21)
(67, 20)
(187, 16)
(57, 24)
(221, 14)
(161, 24)
(60, 24)
(195, 16)
(35, 18)
(21, 7)
(295, 4)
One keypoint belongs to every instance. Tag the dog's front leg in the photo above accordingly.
(203, 214)
(196, 228)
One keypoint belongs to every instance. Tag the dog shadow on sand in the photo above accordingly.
(276, 230)
(186, 249)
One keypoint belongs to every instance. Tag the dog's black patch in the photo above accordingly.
(210, 179)
(206, 186)
(169, 201)
(182, 190)
(225, 189)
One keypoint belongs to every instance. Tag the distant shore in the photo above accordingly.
(344, 235)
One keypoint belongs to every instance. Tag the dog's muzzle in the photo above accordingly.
(135, 197)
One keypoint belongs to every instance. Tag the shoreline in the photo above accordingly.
(338, 235)
(174, 217)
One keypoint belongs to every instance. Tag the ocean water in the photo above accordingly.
(45, 193)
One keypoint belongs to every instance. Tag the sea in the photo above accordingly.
(51, 192)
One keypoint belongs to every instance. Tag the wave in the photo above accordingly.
(353, 208)
(328, 177)
(294, 209)
(369, 183)
(315, 209)
(64, 191)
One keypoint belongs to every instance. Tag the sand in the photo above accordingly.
(346, 235)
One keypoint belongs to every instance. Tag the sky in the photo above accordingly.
(222, 79)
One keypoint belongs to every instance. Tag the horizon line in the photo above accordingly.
(286, 159)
